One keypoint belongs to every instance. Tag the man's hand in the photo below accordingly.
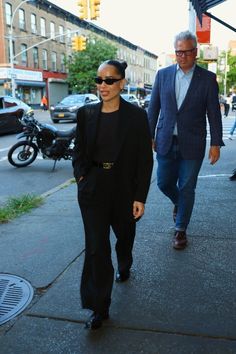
(214, 154)
(138, 209)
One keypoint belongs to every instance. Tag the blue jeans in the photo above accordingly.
(233, 128)
(177, 179)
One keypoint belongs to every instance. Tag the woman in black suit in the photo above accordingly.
(112, 166)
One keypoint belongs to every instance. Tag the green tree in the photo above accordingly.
(83, 65)
(231, 73)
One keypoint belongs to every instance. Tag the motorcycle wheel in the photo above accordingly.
(22, 154)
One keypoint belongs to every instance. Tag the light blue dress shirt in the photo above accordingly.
(182, 82)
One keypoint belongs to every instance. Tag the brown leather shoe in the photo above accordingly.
(175, 210)
(180, 240)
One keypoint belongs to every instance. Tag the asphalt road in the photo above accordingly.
(37, 178)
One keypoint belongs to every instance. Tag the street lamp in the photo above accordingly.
(13, 76)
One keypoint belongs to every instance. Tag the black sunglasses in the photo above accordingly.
(188, 52)
(108, 81)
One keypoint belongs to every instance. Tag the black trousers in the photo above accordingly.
(105, 210)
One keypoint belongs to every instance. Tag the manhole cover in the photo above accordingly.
(15, 295)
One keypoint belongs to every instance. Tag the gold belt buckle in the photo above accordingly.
(107, 165)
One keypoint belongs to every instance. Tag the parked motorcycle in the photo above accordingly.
(52, 143)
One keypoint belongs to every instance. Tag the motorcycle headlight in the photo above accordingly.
(73, 108)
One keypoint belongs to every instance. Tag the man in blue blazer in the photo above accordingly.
(183, 95)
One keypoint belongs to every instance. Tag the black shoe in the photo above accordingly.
(122, 276)
(96, 319)
(233, 177)
(180, 240)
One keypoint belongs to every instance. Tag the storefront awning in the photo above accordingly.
(201, 7)
(30, 83)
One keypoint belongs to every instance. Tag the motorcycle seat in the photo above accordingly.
(66, 133)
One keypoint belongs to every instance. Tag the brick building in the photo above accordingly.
(41, 33)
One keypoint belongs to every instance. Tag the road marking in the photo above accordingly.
(5, 149)
(219, 175)
(3, 159)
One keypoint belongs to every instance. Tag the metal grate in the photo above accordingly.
(15, 295)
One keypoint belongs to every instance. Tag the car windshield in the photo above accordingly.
(73, 99)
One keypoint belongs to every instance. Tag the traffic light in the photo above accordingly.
(78, 43)
(75, 43)
(82, 43)
(94, 9)
(83, 11)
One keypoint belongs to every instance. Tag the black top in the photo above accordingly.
(106, 137)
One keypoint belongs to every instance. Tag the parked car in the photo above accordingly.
(67, 109)
(146, 101)
(130, 98)
(11, 110)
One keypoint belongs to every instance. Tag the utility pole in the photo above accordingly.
(191, 18)
(226, 70)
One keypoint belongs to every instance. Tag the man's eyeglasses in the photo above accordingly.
(108, 81)
(188, 52)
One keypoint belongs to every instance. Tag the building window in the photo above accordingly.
(63, 57)
(54, 61)
(22, 19)
(8, 12)
(43, 26)
(36, 57)
(33, 23)
(52, 30)
(24, 60)
(61, 32)
(45, 59)
(68, 31)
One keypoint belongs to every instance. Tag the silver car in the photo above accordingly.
(67, 109)
(130, 98)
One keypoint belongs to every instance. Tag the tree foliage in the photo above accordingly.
(231, 71)
(83, 65)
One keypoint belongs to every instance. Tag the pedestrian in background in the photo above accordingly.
(182, 96)
(44, 103)
(227, 104)
(112, 165)
(231, 133)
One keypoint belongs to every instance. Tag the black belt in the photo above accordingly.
(104, 165)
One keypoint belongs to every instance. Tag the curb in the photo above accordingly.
(57, 188)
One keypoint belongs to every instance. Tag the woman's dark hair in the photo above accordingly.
(120, 66)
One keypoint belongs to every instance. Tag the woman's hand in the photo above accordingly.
(138, 209)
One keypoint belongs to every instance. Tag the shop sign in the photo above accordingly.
(6, 73)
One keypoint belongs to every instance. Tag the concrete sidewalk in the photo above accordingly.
(178, 302)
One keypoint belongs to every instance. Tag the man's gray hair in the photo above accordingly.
(185, 36)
